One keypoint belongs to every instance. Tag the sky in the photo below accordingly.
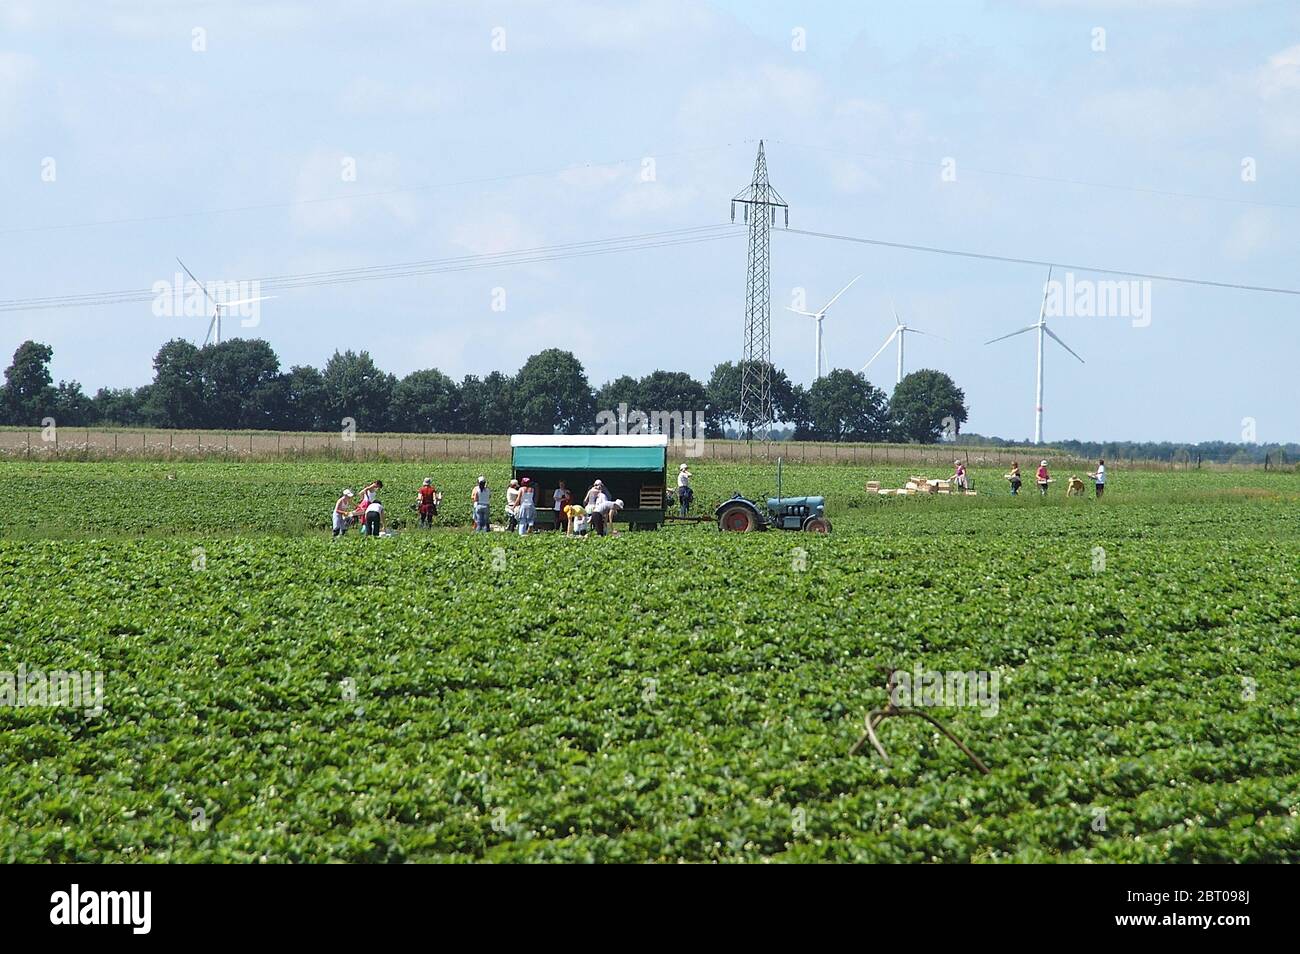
(1160, 137)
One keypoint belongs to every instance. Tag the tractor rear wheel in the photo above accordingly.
(737, 518)
(817, 525)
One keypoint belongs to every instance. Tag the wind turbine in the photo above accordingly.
(818, 316)
(214, 328)
(900, 332)
(1041, 327)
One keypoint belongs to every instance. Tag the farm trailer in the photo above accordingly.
(633, 468)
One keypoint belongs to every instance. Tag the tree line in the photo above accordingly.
(238, 384)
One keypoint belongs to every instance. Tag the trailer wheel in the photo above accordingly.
(737, 518)
(817, 525)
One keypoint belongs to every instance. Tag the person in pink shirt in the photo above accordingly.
(1043, 479)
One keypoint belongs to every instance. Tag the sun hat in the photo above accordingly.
(428, 481)
(527, 480)
(618, 504)
(513, 482)
(481, 478)
(597, 483)
(682, 467)
(1043, 464)
(348, 493)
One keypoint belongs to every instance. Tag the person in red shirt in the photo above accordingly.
(427, 503)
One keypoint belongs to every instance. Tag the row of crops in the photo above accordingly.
(272, 695)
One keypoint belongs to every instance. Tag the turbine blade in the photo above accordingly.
(838, 294)
(806, 314)
(892, 335)
(196, 281)
(928, 334)
(244, 301)
(1012, 335)
(1047, 284)
(1062, 343)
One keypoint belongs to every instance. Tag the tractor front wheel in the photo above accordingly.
(817, 525)
(737, 519)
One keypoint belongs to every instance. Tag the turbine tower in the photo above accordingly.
(900, 332)
(1041, 327)
(759, 202)
(818, 316)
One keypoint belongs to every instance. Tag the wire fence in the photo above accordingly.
(89, 443)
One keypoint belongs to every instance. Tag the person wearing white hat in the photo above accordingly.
(959, 476)
(597, 488)
(512, 505)
(684, 493)
(1043, 479)
(481, 496)
(342, 511)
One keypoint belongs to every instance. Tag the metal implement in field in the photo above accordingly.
(741, 515)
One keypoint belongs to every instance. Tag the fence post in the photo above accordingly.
(29, 445)
(170, 444)
(115, 443)
(200, 443)
(446, 448)
(277, 444)
(401, 446)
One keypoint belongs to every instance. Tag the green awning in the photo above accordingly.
(591, 458)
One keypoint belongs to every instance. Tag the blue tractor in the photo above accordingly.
(741, 515)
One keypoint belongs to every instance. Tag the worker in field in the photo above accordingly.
(426, 503)
(597, 488)
(575, 516)
(1043, 479)
(959, 481)
(1099, 478)
(374, 517)
(684, 493)
(370, 491)
(481, 499)
(526, 514)
(512, 505)
(342, 513)
(561, 498)
(609, 510)
(1013, 478)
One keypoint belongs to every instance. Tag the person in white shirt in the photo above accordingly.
(684, 493)
(562, 499)
(481, 496)
(374, 518)
(1099, 478)
(526, 511)
(512, 505)
(342, 511)
(597, 488)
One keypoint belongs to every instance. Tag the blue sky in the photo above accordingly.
(858, 124)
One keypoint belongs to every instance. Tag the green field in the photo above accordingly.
(678, 695)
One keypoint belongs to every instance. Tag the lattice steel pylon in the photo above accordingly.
(759, 202)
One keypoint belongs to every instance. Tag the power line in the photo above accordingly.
(542, 253)
(985, 256)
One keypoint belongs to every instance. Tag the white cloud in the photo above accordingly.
(365, 95)
(321, 177)
(1252, 232)
(16, 72)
